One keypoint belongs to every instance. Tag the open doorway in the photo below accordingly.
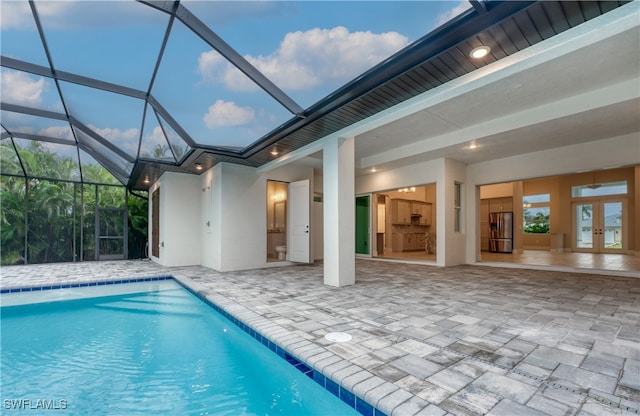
(404, 221)
(581, 220)
(277, 194)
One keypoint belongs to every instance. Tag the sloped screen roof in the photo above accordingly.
(116, 82)
(121, 91)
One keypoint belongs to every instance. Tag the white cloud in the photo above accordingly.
(61, 149)
(125, 139)
(19, 88)
(227, 113)
(156, 137)
(16, 15)
(116, 135)
(231, 12)
(307, 59)
(457, 10)
(61, 132)
(84, 14)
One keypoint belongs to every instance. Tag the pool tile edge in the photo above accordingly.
(286, 345)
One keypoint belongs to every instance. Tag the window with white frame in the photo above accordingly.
(457, 227)
(536, 213)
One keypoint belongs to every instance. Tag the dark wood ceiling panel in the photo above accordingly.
(445, 69)
(590, 9)
(420, 79)
(390, 93)
(424, 72)
(365, 106)
(440, 70)
(452, 64)
(459, 60)
(408, 86)
(502, 38)
(541, 21)
(354, 109)
(572, 12)
(413, 84)
(515, 35)
(528, 29)
(556, 16)
(607, 6)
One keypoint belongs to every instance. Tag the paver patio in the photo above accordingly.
(462, 340)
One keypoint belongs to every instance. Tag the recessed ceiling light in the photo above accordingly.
(479, 52)
(274, 152)
(198, 166)
(373, 169)
(472, 146)
(146, 180)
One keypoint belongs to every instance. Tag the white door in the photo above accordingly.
(599, 226)
(298, 246)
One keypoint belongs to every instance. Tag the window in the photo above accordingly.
(599, 189)
(457, 227)
(535, 209)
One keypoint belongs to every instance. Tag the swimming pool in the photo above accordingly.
(155, 349)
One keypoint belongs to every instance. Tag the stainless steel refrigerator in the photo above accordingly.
(501, 232)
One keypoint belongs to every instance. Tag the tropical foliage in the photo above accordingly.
(54, 219)
(536, 224)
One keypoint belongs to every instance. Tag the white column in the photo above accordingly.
(339, 212)
(451, 243)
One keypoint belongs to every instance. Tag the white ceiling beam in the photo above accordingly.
(606, 26)
(621, 92)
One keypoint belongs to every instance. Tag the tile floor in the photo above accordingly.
(579, 261)
(464, 340)
(587, 261)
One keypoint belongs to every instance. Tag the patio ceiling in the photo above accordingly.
(142, 89)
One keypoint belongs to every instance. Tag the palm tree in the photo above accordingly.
(53, 205)
(12, 215)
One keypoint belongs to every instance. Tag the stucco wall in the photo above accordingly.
(179, 219)
(237, 237)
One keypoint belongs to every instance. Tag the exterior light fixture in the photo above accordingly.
(480, 52)
(373, 170)
(146, 180)
(198, 166)
(274, 152)
(472, 146)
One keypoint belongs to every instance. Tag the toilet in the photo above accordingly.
(282, 252)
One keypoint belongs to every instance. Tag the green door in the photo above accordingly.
(362, 225)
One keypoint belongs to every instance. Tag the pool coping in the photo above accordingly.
(350, 383)
(363, 391)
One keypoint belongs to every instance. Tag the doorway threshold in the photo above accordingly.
(568, 269)
(401, 260)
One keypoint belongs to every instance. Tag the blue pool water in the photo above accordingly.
(162, 352)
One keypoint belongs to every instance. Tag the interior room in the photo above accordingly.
(404, 223)
(276, 220)
(575, 220)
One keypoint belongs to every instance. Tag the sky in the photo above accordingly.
(307, 48)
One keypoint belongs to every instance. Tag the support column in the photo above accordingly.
(339, 212)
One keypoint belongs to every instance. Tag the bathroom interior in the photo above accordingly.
(276, 220)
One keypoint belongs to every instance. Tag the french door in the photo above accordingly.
(599, 226)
